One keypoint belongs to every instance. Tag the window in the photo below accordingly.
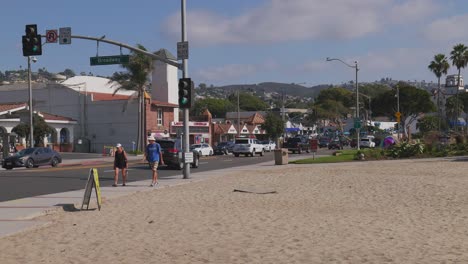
(160, 117)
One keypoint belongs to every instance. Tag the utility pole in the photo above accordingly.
(186, 145)
(398, 110)
(238, 114)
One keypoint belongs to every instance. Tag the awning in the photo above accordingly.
(292, 129)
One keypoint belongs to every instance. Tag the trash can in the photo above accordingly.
(281, 156)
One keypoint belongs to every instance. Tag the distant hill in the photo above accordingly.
(266, 87)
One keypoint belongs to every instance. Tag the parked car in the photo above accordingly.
(32, 157)
(247, 146)
(204, 149)
(268, 145)
(367, 142)
(223, 148)
(323, 142)
(172, 153)
(335, 144)
(297, 144)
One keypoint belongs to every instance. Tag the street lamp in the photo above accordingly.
(356, 67)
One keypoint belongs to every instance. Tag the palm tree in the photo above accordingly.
(459, 60)
(439, 66)
(135, 78)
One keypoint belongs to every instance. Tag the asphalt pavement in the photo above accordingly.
(19, 215)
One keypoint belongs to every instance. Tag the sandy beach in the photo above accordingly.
(409, 211)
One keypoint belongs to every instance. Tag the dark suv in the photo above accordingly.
(297, 144)
(223, 148)
(172, 153)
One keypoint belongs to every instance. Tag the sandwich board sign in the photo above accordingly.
(93, 181)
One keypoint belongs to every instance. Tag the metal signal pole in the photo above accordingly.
(186, 145)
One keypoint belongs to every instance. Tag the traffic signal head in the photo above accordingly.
(185, 92)
(32, 42)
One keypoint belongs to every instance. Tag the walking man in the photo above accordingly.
(154, 156)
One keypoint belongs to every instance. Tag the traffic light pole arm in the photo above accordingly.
(149, 54)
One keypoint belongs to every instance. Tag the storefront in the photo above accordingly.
(199, 132)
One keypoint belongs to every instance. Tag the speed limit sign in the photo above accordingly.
(51, 36)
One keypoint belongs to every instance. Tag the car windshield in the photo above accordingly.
(195, 146)
(265, 142)
(222, 144)
(24, 152)
(242, 141)
(365, 139)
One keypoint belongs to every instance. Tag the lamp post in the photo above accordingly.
(356, 67)
(398, 109)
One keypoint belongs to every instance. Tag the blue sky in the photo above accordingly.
(250, 41)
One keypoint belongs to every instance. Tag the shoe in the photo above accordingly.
(151, 185)
(123, 184)
(114, 185)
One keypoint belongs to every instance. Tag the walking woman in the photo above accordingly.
(120, 162)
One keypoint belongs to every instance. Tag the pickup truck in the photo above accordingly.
(247, 146)
(298, 144)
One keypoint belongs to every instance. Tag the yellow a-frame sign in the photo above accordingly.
(92, 182)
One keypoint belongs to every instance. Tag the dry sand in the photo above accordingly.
(411, 211)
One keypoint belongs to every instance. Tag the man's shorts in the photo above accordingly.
(154, 165)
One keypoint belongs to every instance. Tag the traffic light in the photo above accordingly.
(185, 92)
(32, 42)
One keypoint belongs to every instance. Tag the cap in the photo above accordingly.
(118, 145)
(151, 138)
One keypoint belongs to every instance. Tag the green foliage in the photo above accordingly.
(248, 102)
(273, 125)
(217, 107)
(406, 150)
(429, 123)
(41, 129)
(339, 95)
(136, 152)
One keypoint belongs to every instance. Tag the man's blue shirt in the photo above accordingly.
(152, 151)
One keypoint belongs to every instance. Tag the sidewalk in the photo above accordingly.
(18, 215)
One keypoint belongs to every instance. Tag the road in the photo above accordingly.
(21, 183)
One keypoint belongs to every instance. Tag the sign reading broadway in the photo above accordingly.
(108, 60)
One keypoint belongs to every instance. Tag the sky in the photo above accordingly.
(249, 41)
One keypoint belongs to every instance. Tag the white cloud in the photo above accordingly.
(293, 20)
(448, 29)
(412, 10)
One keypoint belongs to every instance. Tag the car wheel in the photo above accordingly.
(29, 163)
(8, 168)
(211, 153)
(253, 153)
(261, 153)
(236, 154)
(196, 161)
(54, 162)
(225, 152)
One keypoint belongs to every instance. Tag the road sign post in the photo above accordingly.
(65, 35)
(51, 36)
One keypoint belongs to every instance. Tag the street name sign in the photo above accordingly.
(108, 60)
(65, 35)
(188, 157)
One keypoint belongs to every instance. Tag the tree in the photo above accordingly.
(429, 123)
(459, 60)
(248, 102)
(217, 107)
(413, 102)
(336, 94)
(41, 129)
(439, 66)
(273, 126)
(68, 73)
(135, 78)
(453, 106)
